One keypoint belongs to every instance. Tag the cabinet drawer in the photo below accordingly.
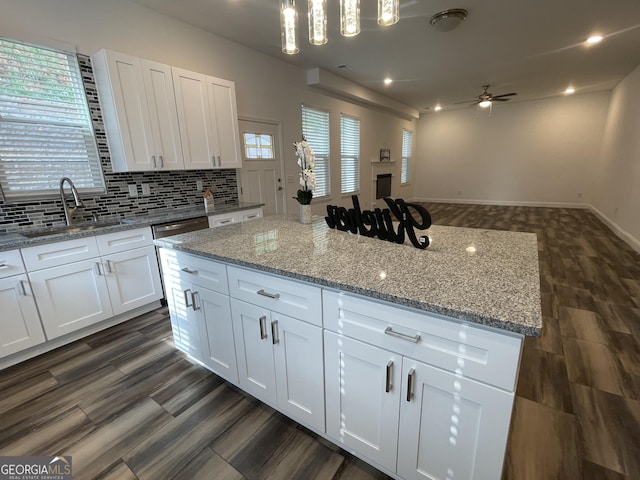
(221, 220)
(60, 253)
(196, 270)
(10, 263)
(124, 240)
(457, 346)
(296, 299)
(246, 215)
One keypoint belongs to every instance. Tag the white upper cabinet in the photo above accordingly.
(139, 110)
(208, 120)
(159, 117)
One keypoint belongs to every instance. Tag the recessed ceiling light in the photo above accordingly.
(388, 81)
(570, 90)
(592, 40)
(437, 108)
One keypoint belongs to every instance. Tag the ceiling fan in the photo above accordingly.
(486, 98)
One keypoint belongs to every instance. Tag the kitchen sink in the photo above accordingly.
(80, 227)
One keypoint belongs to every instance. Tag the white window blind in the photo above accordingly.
(45, 126)
(407, 143)
(315, 128)
(349, 154)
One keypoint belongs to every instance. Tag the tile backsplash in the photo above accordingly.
(167, 189)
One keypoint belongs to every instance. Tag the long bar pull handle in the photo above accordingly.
(412, 338)
(23, 290)
(263, 327)
(194, 304)
(161, 161)
(213, 160)
(186, 270)
(275, 296)
(98, 271)
(153, 160)
(109, 267)
(388, 382)
(274, 332)
(412, 373)
(219, 161)
(187, 294)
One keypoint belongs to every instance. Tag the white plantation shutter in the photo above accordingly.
(349, 154)
(407, 143)
(315, 128)
(45, 126)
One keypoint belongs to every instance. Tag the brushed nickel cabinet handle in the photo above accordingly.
(109, 267)
(187, 294)
(412, 338)
(274, 332)
(161, 161)
(275, 296)
(186, 270)
(97, 269)
(219, 161)
(388, 382)
(23, 290)
(194, 304)
(263, 328)
(412, 373)
(153, 160)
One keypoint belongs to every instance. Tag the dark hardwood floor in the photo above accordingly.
(125, 404)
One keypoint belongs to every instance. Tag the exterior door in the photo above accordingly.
(261, 176)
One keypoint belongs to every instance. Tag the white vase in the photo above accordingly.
(305, 214)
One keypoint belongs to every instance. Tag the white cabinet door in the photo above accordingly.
(71, 296)
(198, 131)
(363, 398)
(254, 352)
(163, 115)
(222, 101)
(297, 348)
(133, 278)
(450, 427)
(19, 322)
(184, 321)
(216, 328)
(124, 106)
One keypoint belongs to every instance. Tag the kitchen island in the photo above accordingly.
(407, 358)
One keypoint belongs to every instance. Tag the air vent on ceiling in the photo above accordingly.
(344, 66)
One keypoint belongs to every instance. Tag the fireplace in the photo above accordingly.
(383, 185)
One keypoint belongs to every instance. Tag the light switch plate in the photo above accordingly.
(133, 190)
(146, 190)
(199, 185)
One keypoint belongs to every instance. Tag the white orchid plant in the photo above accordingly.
(306, 162)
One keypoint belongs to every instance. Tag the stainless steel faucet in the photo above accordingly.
(69, 211)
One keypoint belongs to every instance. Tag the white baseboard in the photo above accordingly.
(617, 229)
(505, 203)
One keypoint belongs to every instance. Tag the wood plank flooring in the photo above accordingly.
(126, 405)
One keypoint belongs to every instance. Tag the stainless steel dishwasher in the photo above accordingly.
(167, 229)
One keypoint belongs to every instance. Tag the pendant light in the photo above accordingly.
(388, 12)
(288, 27)
(349, 17)
(317, 22)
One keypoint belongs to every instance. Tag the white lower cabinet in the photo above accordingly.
(20, 322)
(280, 361)
(363, 398)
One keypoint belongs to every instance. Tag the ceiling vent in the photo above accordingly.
(448, 20)
(344, 66)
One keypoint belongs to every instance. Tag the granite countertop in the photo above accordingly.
(488, 277)
(23, 237)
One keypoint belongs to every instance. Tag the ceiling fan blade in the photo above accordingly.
(504, 95)
(494, 99)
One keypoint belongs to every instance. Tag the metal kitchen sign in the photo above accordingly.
(380, 223)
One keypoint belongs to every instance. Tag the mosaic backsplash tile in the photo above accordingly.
(168, 189)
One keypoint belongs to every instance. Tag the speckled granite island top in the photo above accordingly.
(484, 276)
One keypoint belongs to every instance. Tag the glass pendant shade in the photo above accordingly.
(288, 27)
(317, 22)
(349, 17)
(388, 12)
(485, 103)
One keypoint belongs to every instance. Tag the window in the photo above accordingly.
(315, 128)
(258, 146)
(349, 154)
(45, 126)
(407, 143)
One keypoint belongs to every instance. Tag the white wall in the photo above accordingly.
(537, 152)
(617, 175)
(267, 88)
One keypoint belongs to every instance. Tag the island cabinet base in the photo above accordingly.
(417, 395)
